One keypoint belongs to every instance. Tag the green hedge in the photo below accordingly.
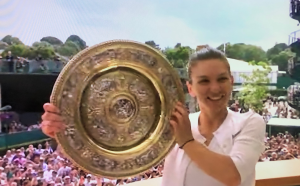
(278, 92)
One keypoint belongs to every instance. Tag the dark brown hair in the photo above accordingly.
(206, 53)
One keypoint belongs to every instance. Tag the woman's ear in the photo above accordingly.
(190, 90)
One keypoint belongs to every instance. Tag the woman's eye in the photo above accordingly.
(203, 81)
(223, 79)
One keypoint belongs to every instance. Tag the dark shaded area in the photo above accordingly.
(295, 9)
(33, 66)
(294, 63)
(26, 92)
(29, 118)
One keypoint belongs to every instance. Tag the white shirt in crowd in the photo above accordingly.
(47, 175)
(105, 180)
(241, 136)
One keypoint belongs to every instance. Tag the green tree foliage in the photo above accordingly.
(275, 50)
(3, 45)
(11, 40)
(254, 88)
(76, 39)
(16, 50)
(152, 44)
(178, 56)
(281, 59)
(52, 40)
(39, 49)
(244, 52)
(44, 50)
(279, 55)
(68, 49)
(41, 44)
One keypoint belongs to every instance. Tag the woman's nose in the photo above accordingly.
(215, 87)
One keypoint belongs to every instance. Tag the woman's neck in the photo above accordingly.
(212, 120)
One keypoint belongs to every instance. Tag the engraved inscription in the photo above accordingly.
(125, 54)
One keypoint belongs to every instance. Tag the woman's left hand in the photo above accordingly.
(181, 124)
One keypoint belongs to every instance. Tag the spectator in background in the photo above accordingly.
(10, 60)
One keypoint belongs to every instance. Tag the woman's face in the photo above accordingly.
(211, 84)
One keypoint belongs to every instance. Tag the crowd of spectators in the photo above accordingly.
(43, 166)
(14, 127)
(283, 146)
(279, 109)
(273, 108)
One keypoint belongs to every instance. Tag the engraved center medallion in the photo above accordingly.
(122, 109)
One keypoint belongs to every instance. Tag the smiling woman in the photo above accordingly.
(213, 83)
(215, 146)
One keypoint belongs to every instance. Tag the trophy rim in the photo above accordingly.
(57, 90)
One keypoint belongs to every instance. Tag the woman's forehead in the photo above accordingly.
(210, 67)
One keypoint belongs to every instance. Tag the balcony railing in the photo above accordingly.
(272, 173)
(294, 36)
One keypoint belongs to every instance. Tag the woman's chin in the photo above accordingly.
(216, 103)
(215, 106)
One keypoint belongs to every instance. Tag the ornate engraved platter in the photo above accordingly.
(116, 98)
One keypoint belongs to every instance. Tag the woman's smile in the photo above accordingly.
(216, 98)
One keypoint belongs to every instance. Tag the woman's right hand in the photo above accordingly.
(52, 121)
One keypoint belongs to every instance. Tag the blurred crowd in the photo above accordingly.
(14, 127)
(43, 166)
(279, 109)
(283, 146)
(273, 108)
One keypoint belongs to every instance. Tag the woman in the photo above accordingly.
(216, 146)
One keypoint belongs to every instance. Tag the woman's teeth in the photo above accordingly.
(216, 98)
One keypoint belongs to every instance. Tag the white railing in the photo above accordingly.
(294, 36)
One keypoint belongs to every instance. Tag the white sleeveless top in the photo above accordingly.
(241, 136)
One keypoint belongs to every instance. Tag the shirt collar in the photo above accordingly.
(230, 128)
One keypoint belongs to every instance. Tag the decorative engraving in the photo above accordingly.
(122, 109)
